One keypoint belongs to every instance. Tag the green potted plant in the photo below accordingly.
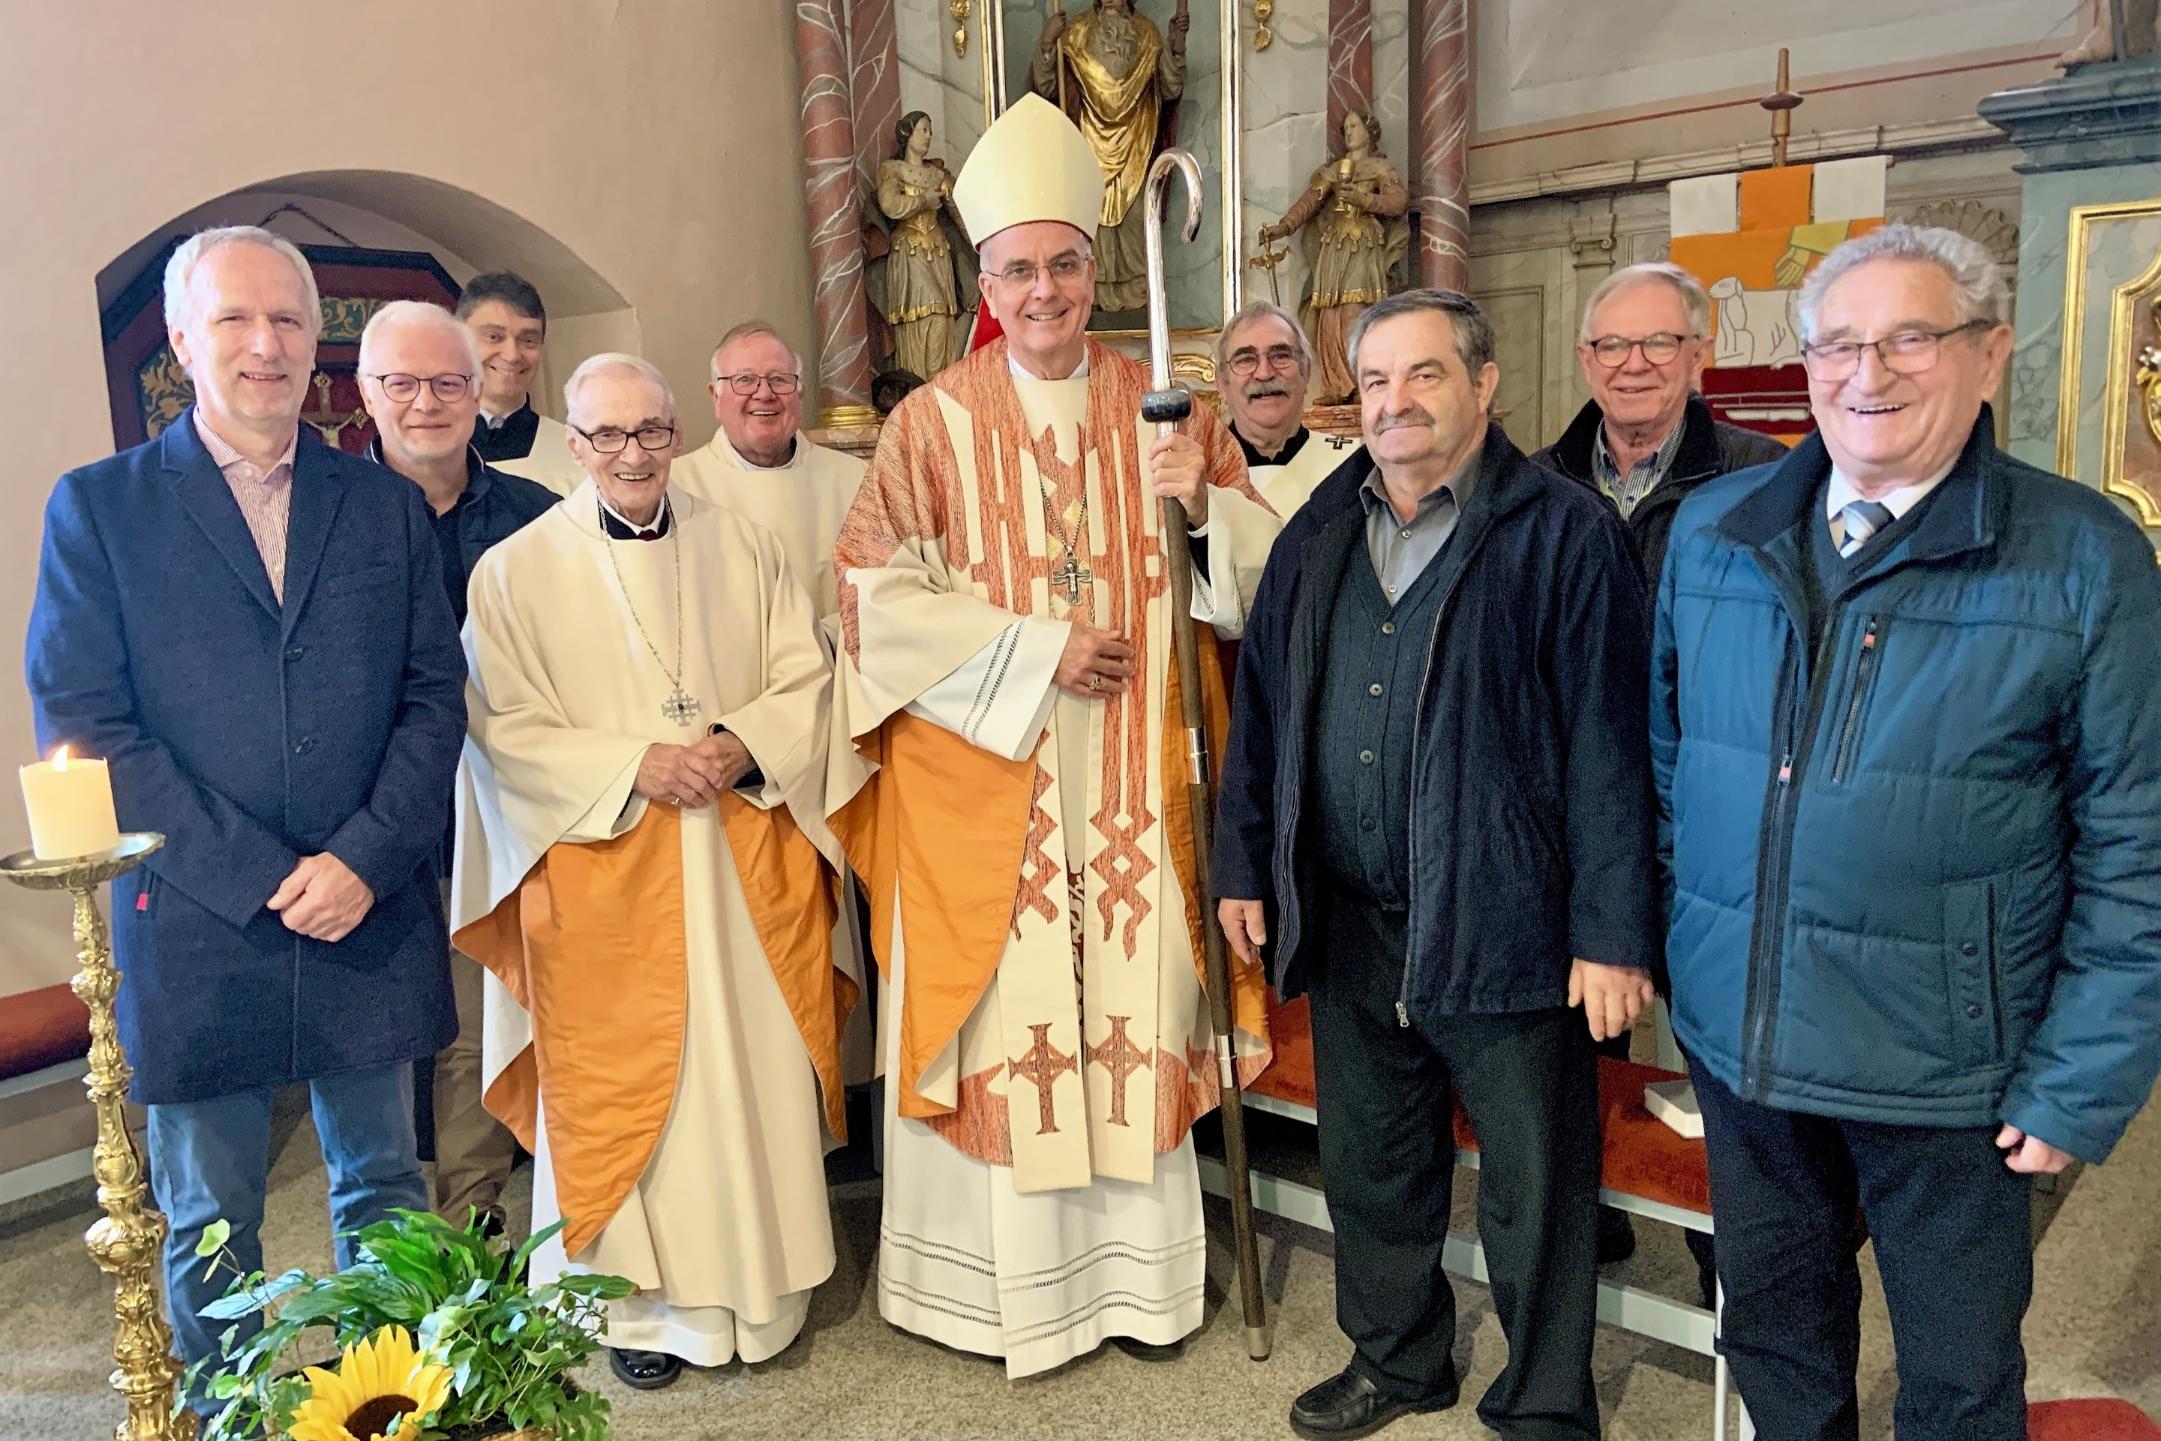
(440, 1339)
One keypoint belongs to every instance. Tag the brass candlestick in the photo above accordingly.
(128, 1241)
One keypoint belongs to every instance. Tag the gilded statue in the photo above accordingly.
(1120, 79)
(2148, 376)
(1355, 236)
(921, 292)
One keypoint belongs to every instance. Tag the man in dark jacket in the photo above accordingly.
(420, 380)
(250, 627)
(1437, 799)
(1909, 760)
(1647, 441)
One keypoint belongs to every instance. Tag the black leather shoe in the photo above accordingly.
(1616, 1236)
(1349, 1405)
(644, 1370)
(1141, 1350)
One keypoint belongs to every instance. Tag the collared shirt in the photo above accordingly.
(1402, 549)
(1841, 493)
(265, 497)
(1643, 477)
(1285, 456)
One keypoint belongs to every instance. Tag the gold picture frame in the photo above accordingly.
(2118, 390)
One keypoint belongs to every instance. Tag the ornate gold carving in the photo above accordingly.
(1192, 366)
(959, 10)
(344, 317)
(1263, 12)
(1975, 221)
(163, 391)
(2132, 474)
(128, 1240)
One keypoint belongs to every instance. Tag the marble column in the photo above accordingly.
(835, 219)
(1439, 193)
(875, 84)
(1350, 60)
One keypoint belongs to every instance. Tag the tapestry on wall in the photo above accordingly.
(1752, 237)
(149, 391)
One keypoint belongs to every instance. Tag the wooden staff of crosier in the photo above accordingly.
(1166, 405)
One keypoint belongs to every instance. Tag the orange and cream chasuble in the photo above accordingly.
(1052, 1017)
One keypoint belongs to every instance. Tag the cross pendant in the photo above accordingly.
(1071, 576)
(679, 707)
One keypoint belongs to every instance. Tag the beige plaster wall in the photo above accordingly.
(656, 140)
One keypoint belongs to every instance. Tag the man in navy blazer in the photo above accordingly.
(251, 628)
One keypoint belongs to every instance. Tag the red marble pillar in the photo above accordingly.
(875, 84)
(829, 194)
(1441, 112)
(1350, 62)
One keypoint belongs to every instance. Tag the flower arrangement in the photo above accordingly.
(440, 1339)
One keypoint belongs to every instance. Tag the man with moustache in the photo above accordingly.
(1006, 665)
(504, 312)
(761, 465)
(1436, 803)
(250, 628)
(1646, 440)
(640, 826)
(1264, 364)
(1908, 757)
(419, 378)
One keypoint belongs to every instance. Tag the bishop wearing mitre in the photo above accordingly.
(1007, 670)
(640, 827)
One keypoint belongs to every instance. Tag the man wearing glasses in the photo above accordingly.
(419, 378)
(1908, 759)
(1264, 365)
(761, 465)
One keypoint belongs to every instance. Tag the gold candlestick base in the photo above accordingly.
(128, 1241)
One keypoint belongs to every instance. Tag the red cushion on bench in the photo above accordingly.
(1643, 1155)
(2089, 1421)
(42, 1028)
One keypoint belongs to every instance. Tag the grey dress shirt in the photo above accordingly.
(1402, 549)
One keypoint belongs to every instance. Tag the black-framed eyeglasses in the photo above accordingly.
(402, 387)
(1902, 352)
(746, 382)
(1280, 357)
(1064, 269)
(652, 439)
(1659, 348)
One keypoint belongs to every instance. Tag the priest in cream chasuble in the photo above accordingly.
(640, 827)
(1006, 670)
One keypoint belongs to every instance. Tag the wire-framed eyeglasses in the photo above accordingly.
(746, 382)
(1903, 352)
(402, 387)
(1064, 269)
(1659, 348)
(652, 439)
(1245, 361)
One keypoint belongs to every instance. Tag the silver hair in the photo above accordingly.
(416, 312)
(1473, 332)
(181, 268)
(1263, 310)
(1694, 300)
(744, 332)
(614, 361)
(1982, 292)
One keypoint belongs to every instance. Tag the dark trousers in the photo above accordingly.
(1952, 1229)
(1388, 1163)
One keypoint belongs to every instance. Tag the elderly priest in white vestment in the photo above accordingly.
(639, 867)
(1006, 664)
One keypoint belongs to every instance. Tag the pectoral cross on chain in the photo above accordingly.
(1043, 1063)
(680, 707)
(1072, 577)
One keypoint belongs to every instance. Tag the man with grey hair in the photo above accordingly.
(1646, 438)
(420, 380)
(1264, 365)
(640, 825)
(1436, 806)
(249, 627)
(1908, 760)
(761, 465)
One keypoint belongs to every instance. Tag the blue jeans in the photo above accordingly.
(210, 1160)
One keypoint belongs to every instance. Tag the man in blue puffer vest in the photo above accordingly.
(1907, 740)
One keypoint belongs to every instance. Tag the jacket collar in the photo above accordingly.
(317, 493)
(478, 477)
(1696, 458)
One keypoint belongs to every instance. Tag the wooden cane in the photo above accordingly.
(1166, 405)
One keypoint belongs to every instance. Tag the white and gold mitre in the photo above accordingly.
(1032, 164)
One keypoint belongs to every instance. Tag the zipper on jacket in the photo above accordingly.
(1864, 671)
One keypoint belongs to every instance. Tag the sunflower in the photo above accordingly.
(378, 1380)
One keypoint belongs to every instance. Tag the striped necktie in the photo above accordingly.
(1863, 519)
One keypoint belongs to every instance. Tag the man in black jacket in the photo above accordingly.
(1437, 799)
(1647, 441)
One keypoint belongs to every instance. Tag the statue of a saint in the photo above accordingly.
(1120, 80)
(1355, 235)
(921, 291)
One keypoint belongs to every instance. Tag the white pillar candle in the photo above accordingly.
(71, 808)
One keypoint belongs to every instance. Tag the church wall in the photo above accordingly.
(658, 143)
